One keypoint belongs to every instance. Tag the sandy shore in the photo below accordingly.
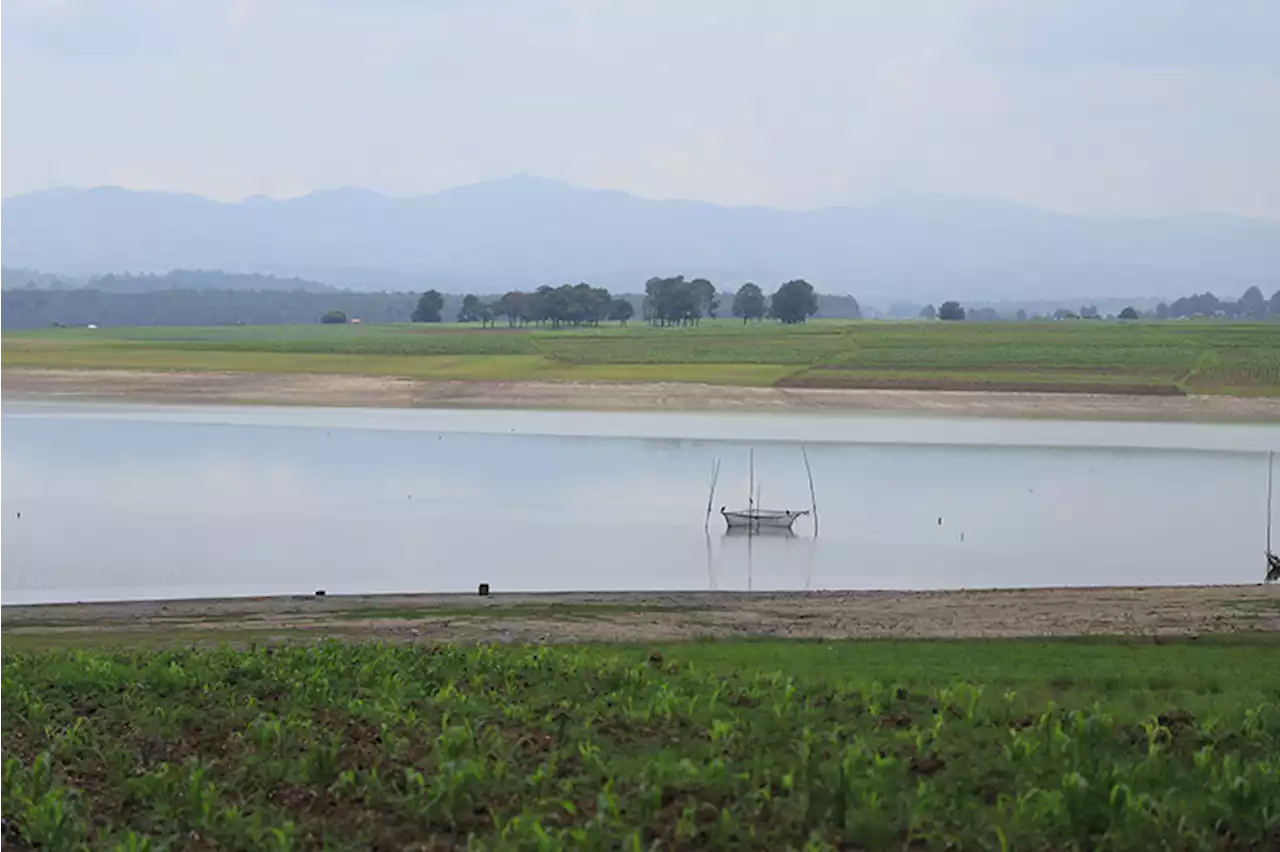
(637, 617)
(389, 392)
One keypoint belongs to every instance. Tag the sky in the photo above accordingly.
(1102, 107)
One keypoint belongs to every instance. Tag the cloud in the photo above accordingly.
(1240, 35)
(133, 31)
(1093, 106)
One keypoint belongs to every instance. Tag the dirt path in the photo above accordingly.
(374, 391)
(636, 617)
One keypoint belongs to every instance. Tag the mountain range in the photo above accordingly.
(523, 232)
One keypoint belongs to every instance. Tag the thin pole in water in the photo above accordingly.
(711, 574)
(813, 497)
(711, 496)
(1271, 468)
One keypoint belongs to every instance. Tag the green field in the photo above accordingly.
(738, 745)
(1156, 358)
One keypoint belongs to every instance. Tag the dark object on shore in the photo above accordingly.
(319, 593)
(1273, 567)
(484, 590)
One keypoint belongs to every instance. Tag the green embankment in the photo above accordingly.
(1170, 357)
(729, 745)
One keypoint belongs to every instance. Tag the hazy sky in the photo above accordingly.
(1127, 106)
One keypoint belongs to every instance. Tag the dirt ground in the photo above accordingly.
(374, 391)
(639, 617)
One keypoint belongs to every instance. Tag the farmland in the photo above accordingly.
(1068, 744)
(1099, 357)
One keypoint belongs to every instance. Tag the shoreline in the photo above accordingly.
(576, 617)
(345, 390)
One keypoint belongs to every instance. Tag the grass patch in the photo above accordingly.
(37, 640)
(1256, 607)
(760, 745)
(1202, 357)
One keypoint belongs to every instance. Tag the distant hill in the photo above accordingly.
(523, 232)
(38, 308)
(13, 277)
(202, 279)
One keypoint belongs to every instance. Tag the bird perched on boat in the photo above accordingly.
(1273, 567)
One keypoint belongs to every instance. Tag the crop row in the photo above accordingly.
(373, 746)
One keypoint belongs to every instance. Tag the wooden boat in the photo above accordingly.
(761, 519)
(753, 519)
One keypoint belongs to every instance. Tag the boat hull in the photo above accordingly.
(761, 519)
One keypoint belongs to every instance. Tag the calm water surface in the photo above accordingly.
(146, 502)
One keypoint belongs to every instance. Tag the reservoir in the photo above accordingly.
(106, 502)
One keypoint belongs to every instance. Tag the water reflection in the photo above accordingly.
(165, 506)
(738, 549)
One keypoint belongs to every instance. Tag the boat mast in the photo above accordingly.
(751, 481)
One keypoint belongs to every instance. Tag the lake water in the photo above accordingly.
(113, 502)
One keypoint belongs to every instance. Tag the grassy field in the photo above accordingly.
(1172, 357)
(740, 745)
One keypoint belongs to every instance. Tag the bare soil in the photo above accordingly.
(374, 391)
(637, 617)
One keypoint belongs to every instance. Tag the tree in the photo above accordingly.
(1129, 313)
(428, 309)
(599, 304)
(794, 302)
(670, 301)
(928, 312)
(515, 306)
(983, 315)
(838, 307)
(748, 303)
(1020, 316)
(334, 318)
(705, 298)
(1197, 305)
(470, 310)
(1162, 311)
(1253, 304)
(950, 310)
(621, 310)
(568, 304)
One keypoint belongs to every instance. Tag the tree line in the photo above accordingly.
(566, 305)
(34, 308)
(666, 301)
(1250, 306)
